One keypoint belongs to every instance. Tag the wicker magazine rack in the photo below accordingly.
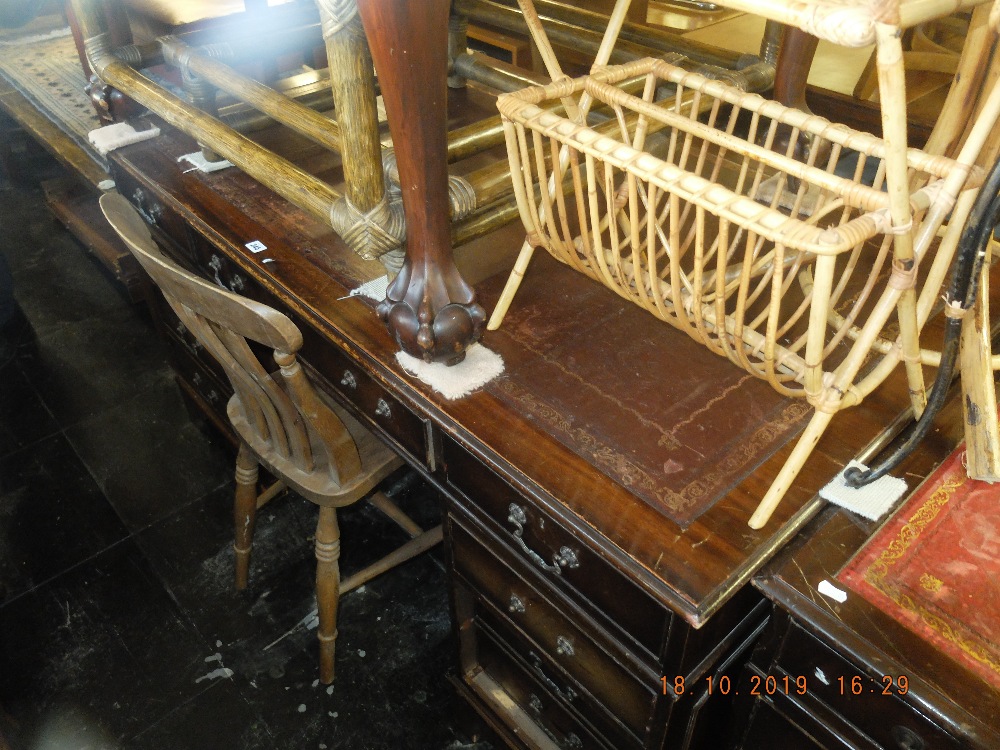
(799, 269)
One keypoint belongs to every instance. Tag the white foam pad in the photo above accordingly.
(478, 368)
(120, 134)
(872, 501)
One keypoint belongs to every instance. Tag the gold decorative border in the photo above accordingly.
(633, 476)
(878, 571)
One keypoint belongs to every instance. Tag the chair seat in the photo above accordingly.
(377, 460)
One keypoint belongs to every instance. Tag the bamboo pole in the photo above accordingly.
(979, 400)
(352, 77)
(286, 179)
(581, 29)
(604, 54)
(495, 74)
(559, 32)
(892, 84)
(279, 107)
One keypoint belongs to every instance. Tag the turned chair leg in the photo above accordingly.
(244, 512)
(327, 588)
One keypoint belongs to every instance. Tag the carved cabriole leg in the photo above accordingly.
(430, 309)
(244, 512)
(327, 588)
(363, 216)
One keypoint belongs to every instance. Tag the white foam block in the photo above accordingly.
(478, 368)
(872, 501)
(199, 162)
(119, 134)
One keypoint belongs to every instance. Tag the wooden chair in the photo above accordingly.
(312, 446)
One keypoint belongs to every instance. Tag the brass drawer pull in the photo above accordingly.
(149, 210)
(215, 263)
(349, 381)
(516, 605)
(564, 558)
(382, 409)
(535, 704)
(567, 693)
(564, 647)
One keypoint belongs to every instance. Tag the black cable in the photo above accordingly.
(966, 271)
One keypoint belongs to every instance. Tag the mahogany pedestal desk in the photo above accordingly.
(595, 590)
(847, 674)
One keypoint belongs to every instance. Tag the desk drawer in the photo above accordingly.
(533, 692)
(528, 659)
(166, 223)
(213, 390)
(372, 400)
(556, 555)
(596, 664)
(856, 694)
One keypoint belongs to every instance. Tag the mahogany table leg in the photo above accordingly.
(794, 60)
(430, 309)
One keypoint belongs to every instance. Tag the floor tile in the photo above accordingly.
(52, 516)
(87, 366)
(23, 417)
(219, 717)
(104, 640)
(148, 456)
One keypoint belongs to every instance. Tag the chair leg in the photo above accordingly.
(327, 588)
(244, 512)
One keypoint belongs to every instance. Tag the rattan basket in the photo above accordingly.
(767, 259)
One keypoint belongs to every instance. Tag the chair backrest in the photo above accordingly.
(291, 421)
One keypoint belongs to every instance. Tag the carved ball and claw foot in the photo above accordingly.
(435, 323)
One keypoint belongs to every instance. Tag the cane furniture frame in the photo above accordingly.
(791, 266)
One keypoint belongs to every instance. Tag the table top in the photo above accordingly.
(591, 383)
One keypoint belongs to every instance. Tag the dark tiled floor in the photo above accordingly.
(119, 626)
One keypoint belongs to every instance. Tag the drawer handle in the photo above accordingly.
(535, 704)
(564, 558)
(196, 379)
(907, 739)
(149, 211)
(382, 409)
(516, 605)
(212, 396)
(567, 693)
(564, 647)
(236, 283)
(349, 381)
(215, 263)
